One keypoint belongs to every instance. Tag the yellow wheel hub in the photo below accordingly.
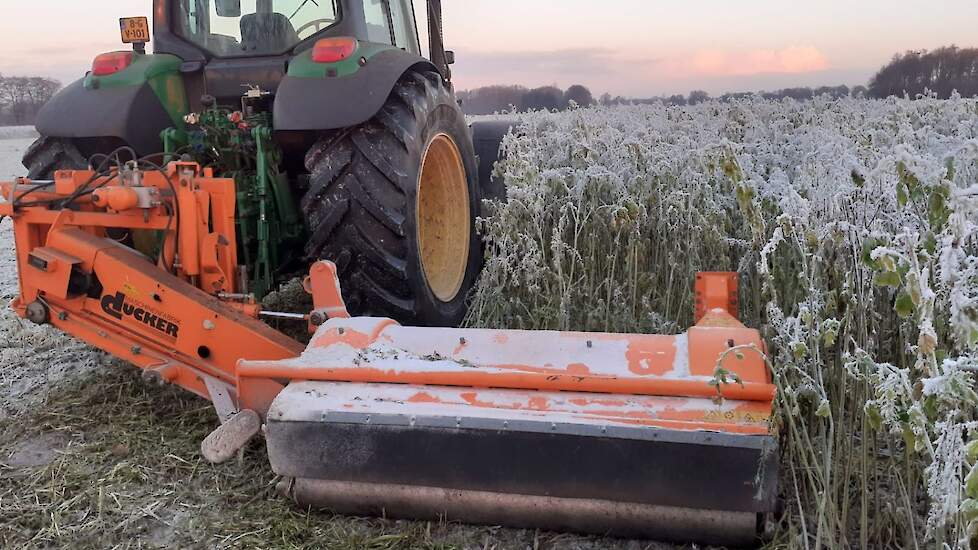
(443, 219)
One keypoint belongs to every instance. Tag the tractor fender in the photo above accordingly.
(132, 114)
(309, 103)
(128, 105)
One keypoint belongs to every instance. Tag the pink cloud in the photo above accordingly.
(792, 60)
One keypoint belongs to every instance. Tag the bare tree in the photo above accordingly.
(21, 97)
(579, 95)
(698, 96)
(916, 72)
(548, 98)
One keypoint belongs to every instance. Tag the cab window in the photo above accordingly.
(405, 31)
(229, 28)
(378, 16)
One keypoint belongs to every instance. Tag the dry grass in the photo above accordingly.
(117, 465)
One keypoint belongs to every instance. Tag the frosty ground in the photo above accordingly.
(93, 457)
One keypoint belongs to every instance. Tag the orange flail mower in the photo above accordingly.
(627, 434)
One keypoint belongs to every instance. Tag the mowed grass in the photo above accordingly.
(113, 462)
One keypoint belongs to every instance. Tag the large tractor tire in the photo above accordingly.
(393, 203)
(48, 154)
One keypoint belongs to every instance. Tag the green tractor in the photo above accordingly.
(345, 143)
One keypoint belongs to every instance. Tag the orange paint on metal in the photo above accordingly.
(539, 403)
(535, 403)
(708, 344)
(719, 319)
(476, 378)
(716, 291)
(746, 429)
(622, 414)
(324, 285)
(423, 397)
(145, 315)
(651, 355)
(578, 368)
(119, 199)
(350, 337)
(602, 401)
(460, 347)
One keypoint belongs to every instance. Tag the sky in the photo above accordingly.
(634, 48)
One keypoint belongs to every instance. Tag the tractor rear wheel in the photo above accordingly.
(394, 201)
(49, 154)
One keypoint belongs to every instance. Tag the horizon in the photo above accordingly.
(627, 50)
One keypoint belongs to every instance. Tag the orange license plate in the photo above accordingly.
(134, 29)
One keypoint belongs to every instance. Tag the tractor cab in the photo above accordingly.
(233, 42)
(344, 142)
(236, 28)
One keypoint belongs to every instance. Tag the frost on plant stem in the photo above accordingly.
(854, 226)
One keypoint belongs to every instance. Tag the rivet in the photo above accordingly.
(63, 316)
(341, 330)
(136, 350)
(590, 344)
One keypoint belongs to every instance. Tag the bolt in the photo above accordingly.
(38, 313)
(136, 350)
(341, 330)
(461, 341)
(153, 376)
(63, 316)
(590, 344)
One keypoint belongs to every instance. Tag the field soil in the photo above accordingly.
(91, 456)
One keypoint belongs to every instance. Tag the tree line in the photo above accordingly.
(914, 73)
(919, 72)
(21, 97)
(700, 96)
(495, 99)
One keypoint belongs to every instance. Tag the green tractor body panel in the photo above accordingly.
(160, 71)
(302, 65)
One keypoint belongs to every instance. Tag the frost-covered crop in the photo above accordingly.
(854, 226)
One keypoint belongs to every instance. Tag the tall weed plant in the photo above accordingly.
(854, 226)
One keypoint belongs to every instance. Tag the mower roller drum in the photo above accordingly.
(393, 202)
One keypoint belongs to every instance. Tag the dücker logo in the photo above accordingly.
(117, 306)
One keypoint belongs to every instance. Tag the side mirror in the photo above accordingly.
(449, 57)
(228, 8)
